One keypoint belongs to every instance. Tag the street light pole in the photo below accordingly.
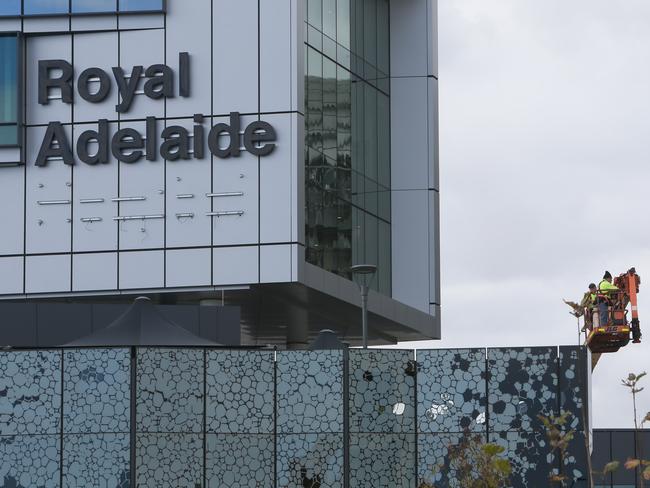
(364, 270)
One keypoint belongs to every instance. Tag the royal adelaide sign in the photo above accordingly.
(224, 140)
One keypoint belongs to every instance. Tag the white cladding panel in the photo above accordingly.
(47, 274)
(94, 271)
(12, 217)
(86, 47)
(188, 268)
(141, 270)
(48, 217)
(188, 30)
(93, 190)
(11, 274)
(236, 47)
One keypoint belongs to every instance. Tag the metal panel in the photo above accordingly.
(41, 48)
(235, 265)
(59, 323)
(277, 79)
(310, 460)
(150, 50)
(382, 460)
(94, 272)
(234, 176)
(433, 131)
(235, 28)
(143, 186)
(96, 460)
(10, 155)
(142, 269)
(47, 274)
(49, 199)
(522, 384)
(31, 459)
(11, 271)
(451, 390)
(278, 179)
(382, 391)
(410, 248)
(188, 30)
(530, 457)
(141, 21)
(410, 162)
(275, 263)
(86, 47)
(12, 195)
(188, 267)
(434, 246)
(43, 24)
(434, 463)
(18, 325)
(92, 207)
(94, 23)
(409, 46)
(187, 186)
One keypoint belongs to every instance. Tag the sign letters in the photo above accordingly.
(127, 145)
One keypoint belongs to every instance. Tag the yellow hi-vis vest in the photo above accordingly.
(605, 287)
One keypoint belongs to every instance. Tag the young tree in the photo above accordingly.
(559, 437)
(641, 466)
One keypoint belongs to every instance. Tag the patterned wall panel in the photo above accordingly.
(451, 390)
(240, 461)
(522, 384)
(310, 460)
(530, 457)
(29, 461)
(574, 370)
(240, 391)
(382, 391)
(169, 460)
(30, 392)
(382, 460)
(96, 460)
(434, 465)
(96, 390)
(170, 390)
(310, 391)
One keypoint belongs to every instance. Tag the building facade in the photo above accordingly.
(245, 153)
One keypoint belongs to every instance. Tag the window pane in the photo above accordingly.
(10, 7)
(8, 135)
(83, 6)
(8, 79)
(140, 5)
(35, 7)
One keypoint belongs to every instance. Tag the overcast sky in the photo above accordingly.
(545, 173)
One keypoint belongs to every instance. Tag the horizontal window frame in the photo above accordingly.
(70, 13)
(18, 123)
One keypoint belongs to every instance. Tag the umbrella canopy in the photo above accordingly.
(327, 339)
(142, 325)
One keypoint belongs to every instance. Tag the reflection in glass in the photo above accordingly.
(140, 5)
(9, 7)
(87, 6)
(42, 7)
(8, 90)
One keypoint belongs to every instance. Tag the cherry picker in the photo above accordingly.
(617, 331)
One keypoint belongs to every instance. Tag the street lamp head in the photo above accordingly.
(363, 269)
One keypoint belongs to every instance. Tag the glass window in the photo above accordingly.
(9, 102)
(141, 5)
(9, 7)
(42, 7)
(90, 6)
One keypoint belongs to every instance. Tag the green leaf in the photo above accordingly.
(632, 463)
(492, 449)
(611, 467)
(646, 473)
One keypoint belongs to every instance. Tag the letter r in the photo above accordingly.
(64, 82)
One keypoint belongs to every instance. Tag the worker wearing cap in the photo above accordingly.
(605, 287)
(588, 303)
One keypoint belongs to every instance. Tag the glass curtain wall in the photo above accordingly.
(9, 90)
(347, 136)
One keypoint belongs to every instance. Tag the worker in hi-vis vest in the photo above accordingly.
(604, 289)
